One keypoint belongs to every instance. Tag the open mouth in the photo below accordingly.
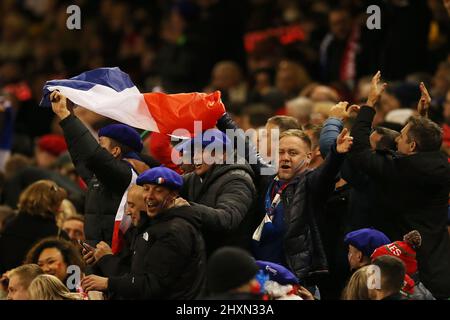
(151, 204)
(196, 166)
(285, 166)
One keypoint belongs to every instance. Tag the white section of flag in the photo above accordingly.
(127, 106)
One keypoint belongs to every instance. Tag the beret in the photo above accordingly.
(124, 134)
(161, 176)
(366, 240)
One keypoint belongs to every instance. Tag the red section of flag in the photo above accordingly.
(175, 111)
(117, 239)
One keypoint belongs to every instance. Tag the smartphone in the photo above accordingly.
(85, 245)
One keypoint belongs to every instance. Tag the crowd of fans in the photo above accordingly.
(361, 187)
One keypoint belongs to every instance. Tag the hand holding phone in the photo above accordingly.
(85, 246)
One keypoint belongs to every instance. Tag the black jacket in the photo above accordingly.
(20, 234)
(414, 193)
(303, 200)
(107, 179)
(168, 259)
(120, 263)
(225, 199)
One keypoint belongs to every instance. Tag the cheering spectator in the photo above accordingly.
(416, 186)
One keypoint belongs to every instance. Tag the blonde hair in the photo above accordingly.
(41, 198)
(356, 288)
(66, 212)
(26, 273)
(297, 133)
(48, 287)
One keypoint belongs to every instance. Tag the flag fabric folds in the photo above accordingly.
(111, 93)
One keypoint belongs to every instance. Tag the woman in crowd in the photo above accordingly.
(48, 287)
(55, 256)
(38, 205)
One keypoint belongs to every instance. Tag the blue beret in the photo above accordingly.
(161, 176)
(124, 134)
(366, 240)
(277, 272)
(211, 136)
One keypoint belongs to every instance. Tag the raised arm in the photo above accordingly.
(251, 155)
(322, 180)
(85, 151)
(375, 165)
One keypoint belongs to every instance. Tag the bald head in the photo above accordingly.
(135, 203)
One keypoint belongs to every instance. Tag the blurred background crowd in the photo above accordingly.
(267, 57)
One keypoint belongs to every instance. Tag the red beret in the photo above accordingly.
(53, 144)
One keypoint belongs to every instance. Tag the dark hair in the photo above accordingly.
(426, 134)
(257, 114)
(387, 141)
(284, 123)
(316, 129)
(124, 149)
(392, 271)
(70, 253)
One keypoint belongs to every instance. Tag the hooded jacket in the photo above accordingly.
(168, 260)
(224, 197)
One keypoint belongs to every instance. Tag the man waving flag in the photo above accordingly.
(111, 170)
(111, 93)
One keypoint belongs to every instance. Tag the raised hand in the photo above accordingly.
(343, 111)
(59, 105)
(375, 90)
(425, 100)
(344, 141)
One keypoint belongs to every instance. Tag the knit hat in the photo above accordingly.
(229, 268)
(366, 240)
(161, 176)
(123, 134)
(404, 250)
(53, 144)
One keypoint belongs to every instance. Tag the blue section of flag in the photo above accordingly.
(110, 77)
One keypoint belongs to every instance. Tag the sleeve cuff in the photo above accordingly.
(67, 120)
(366, 113)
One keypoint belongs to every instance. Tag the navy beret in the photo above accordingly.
(366, 240)
(277, 272)
(161, 176)
(123, 134)
(211, 136)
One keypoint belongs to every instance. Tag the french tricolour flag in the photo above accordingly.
(111, 93)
